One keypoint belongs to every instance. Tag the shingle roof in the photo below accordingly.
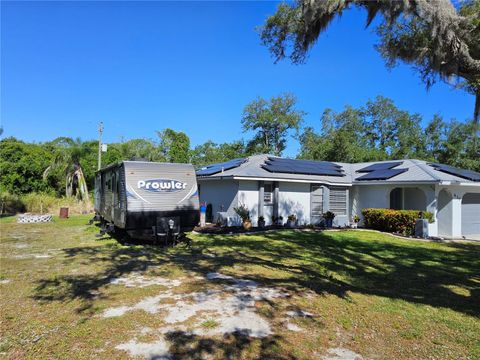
(418, 171)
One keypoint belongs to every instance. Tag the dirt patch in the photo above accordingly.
(151, 304)
(293, 327)
(32, 256)
(137, 280)
(342, 354)
(157, 350)
(230, 309)
(20, 246)
(300, 313)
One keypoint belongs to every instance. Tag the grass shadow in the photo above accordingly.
(231, 346)
(444, 275)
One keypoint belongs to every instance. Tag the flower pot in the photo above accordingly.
(354, 225)
(328, 223)
(247, 224)
(290, 224)
(261, 223)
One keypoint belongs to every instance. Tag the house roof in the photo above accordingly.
(417, 171)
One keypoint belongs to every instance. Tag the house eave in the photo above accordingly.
(425, 182)
(459, 183)
(308, 181)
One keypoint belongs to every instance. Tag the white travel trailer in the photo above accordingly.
(147, 200)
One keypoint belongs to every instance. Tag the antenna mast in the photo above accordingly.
(100, 132)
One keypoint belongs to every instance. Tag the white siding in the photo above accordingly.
(248, 196)
(221, 194)
(294, 198)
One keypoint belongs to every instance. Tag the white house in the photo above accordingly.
(271, 186)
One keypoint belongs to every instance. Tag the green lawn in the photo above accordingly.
(373, 294)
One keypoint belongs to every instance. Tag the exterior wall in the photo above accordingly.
(294, 198)
(248, 195)
(444, 215)
(222, 194)
(449, 213)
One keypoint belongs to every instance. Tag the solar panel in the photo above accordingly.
(465, 174)
(303, 162)
(216, 168)
(307, 167)
(381, 174)
(380, 166)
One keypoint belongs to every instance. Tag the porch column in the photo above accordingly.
(275, 199)
(456, 216)
(457, 196)
(261, 192)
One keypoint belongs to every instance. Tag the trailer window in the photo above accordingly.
(109, 184)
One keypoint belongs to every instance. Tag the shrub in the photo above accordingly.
(400, 221)
(39, 203)
(10, 204)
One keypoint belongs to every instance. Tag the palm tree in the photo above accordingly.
(67, 155)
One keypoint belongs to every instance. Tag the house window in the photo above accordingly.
(338, 201)
(268, 194)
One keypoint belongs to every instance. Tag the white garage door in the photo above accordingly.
(471, 214)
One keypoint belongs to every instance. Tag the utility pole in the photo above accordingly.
(100, 132)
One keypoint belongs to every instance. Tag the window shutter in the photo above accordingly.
(316, 203)
(338, 201)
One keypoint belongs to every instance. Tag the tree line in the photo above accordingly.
(379, 130)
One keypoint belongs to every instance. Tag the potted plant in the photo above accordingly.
(261, 222)
(355, 219)
(277, 220)
(291, 221)
(329, 216)
(244, 214)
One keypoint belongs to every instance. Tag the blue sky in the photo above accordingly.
(190, 66)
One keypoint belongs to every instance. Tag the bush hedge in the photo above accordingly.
(398, 221)
(10, 203)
